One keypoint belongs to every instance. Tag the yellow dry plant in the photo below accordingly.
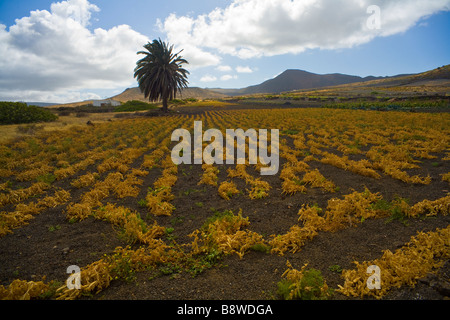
(128, 187)
(259, 189)
(430, 208)
(25, 212)
(23, 290)
(153, 160)
(446, 177)
(304, 285)
(134, 228)
(94, 278)
(362, 167)
(291, 182)
(125, 261)
(78, 211)
(351, 210)
(224, 234)
(316, 180)
(33, 173)
(85, 180)
(158, 201)
(209, 176)
(60, 197)
(168, 178)
(64, 173)
(227, 189)
(297, 235)
(293, 240)
(424, 253)
(340, 213)
(17, 196)
(239, 172)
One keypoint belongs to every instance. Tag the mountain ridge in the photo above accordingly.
(296, 79)
(190, 92)
(289, 80)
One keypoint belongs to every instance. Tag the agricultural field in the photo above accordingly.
(355, 188)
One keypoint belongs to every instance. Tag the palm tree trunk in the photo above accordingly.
(165, 105)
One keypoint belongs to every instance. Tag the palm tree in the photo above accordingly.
(160, 74)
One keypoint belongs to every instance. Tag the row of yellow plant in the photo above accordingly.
(225, 235)
(16, 196)
(347, 212)
(259, 188)
(424, 253)
(158, 199)
(292, 183)
(362, 167)
(25, 212)
(134, 228)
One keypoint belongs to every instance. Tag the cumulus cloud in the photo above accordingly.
(224, 68)
(241, 69)
(175, 28)
(255, 28)
(77, 10)
(52, 54)
(227, 77)
(208, 78)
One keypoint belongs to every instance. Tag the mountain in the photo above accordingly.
(194, 92)
(287, 81)
(439, 75)
(40, 104)
(292, 79)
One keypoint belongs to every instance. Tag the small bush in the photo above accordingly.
(48, 178)
(19, 112)
(177, 101)
(135, 105)
(304, 284)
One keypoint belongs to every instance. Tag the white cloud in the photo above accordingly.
(255, 28)
(58, 96)
(227, 77)
(224, 68)
(243, 69)
(208, 78)
(48, 53)
(78, 10)
(175, 28)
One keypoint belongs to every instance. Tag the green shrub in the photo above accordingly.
(304, 285)
(177, 101)
(135, 105)
(48, 178)
(19, 112)
(387, 105)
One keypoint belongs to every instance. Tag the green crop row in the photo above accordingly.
(388, 105)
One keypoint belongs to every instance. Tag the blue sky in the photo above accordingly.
(62, 51)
